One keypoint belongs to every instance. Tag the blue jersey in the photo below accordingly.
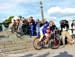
(45, 27)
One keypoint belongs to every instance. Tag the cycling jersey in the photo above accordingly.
(43, 28)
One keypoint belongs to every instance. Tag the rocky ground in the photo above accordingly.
(11, 46)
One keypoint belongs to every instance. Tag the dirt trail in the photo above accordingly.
(16, 47)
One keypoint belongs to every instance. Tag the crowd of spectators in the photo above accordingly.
(32, 27)
(27, 26)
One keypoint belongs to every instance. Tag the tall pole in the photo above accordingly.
(41, 7)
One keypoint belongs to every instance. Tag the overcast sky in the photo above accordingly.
(53, 9)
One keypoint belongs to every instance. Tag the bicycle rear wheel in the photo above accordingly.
(54, 43)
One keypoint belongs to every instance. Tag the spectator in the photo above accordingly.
(17, 24)
(38, 27)
(20, 29)
(73, 27)
(52, 26)
(53, 29)
(32, 26)
(12, 26)
(25, 26)
(65, 33)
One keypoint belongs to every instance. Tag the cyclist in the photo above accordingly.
(47, 30)
(43, 30)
